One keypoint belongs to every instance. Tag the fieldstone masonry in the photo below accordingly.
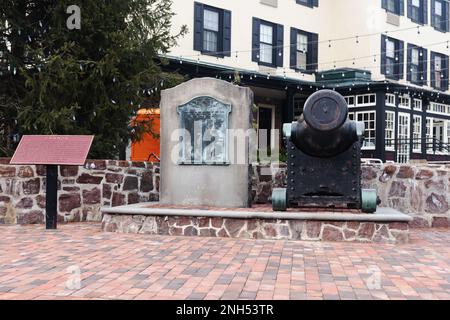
(82, 190)
(396, 233)
(420, 191)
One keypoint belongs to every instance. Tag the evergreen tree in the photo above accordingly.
(91, 80)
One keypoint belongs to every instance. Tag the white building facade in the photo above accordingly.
(389, 58)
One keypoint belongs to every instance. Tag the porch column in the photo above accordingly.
(380, 116)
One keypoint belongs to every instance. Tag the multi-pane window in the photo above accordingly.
(438, 12)
(390, 57)
(418, 11)
(210, 30)
(403, 138)
(392, 6)
(415, 9)
(415, 65)
(390, 99)
(417, 134)
(302, 51)
(404, 102)
(418, 104)
(350, 101)
(390, 130)
(438, 75)
(266, 43)
(440, 15)
(369, 122)
(366, 100)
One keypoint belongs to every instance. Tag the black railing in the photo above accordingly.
(430, 145)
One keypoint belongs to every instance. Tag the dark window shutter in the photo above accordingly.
(226, 33)
(408, 63)
(315, 3)
(446, 15)
(433, 17)
(383, 54)
(424, 65)
(279, 51)
(432, 78)
(409, 9)
(445, 68)
(198, 26)
(384, 4)
(313, 52)
(293, 56)
(401, 60)
(402, 7)
(425, 11)
(255, 39)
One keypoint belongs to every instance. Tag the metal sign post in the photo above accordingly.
(51, 198)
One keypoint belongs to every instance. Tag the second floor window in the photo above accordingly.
(417, 65)
(440, 15)
(417, 11)
(304, 50)
(392, 58)
(212, 30)
(439, 71)
(267, 43)
(394, 6)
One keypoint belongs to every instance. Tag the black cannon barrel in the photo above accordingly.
(324, 129)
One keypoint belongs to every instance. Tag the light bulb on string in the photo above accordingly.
(418, 29)
(329, 43)
(357, 39)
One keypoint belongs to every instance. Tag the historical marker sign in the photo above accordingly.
(52, 151)
(56, 150)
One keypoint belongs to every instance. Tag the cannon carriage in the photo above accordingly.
(324, 158)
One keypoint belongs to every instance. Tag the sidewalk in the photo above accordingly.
(39, 264)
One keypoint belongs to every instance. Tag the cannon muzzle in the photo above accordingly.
(324, 129)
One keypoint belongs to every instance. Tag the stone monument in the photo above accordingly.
(202, 164)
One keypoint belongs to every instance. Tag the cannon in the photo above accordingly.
(324, 158)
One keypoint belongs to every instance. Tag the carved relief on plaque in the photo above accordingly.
(204, 132)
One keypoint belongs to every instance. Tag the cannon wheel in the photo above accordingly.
(279, 199)
(369, 200)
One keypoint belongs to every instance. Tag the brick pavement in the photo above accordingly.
(39, 264)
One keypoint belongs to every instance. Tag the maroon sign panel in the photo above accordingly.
(54, 149)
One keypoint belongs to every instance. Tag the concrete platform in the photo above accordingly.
(386, 225)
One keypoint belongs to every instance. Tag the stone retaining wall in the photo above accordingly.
(420, 191)
(82, 190)
(355, 231)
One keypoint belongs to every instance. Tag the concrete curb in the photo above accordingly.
(382, 214)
